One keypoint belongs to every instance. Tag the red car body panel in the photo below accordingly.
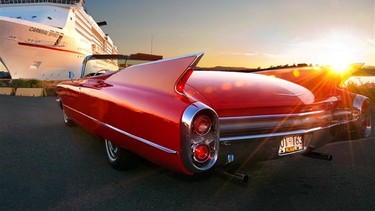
(322, 82)
(243, 94)
(108, 100)
(150, 109)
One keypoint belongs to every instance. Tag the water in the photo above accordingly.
(361, 80)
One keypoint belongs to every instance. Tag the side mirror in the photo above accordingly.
(71, 75)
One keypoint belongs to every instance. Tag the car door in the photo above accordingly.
(92, 103)
(69, 93)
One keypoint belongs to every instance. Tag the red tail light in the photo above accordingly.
(182, 81)
(202, 125)
(200, 130)
(201, 153)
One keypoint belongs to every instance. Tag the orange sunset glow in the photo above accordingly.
(242, 33)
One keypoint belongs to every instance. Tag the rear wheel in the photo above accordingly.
(363, 126)
(359, 129)
(67, 120)
(119, 158)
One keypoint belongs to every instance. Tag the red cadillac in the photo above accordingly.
(191, 120)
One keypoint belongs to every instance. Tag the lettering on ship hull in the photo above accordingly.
(49, 33)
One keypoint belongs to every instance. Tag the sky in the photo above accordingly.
(243, 33)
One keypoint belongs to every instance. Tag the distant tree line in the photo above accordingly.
(286, 66)
(364, 71)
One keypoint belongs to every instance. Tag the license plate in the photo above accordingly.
(291, 144)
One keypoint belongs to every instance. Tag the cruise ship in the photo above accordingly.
(45, 39)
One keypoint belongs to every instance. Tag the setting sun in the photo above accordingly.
(339, 50)
(340, 57)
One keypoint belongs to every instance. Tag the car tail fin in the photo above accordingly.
(348, 72)
(168, 75)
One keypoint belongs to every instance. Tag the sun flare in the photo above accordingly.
(337, 50)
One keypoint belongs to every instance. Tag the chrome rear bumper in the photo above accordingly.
(268, 126)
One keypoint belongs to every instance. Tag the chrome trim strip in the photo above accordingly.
(270, 135)
(289, 94)
(157, 146)
(272, 116)
(271, 122)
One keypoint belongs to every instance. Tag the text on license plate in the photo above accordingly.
(290, 144)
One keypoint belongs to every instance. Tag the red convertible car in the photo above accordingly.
(191, 121)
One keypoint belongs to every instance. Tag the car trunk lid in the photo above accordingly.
(234, 93)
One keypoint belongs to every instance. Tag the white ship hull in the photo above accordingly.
(40, 50)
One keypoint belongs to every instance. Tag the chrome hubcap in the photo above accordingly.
(112, 150)
(366, 123)
(66, 119)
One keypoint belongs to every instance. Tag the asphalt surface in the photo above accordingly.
(45, 165)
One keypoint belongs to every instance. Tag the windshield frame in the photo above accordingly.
(136, 58)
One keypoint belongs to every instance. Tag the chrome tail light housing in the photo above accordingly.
(200, 137)
(362, 115)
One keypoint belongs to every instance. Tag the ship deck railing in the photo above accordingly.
(70, 2)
